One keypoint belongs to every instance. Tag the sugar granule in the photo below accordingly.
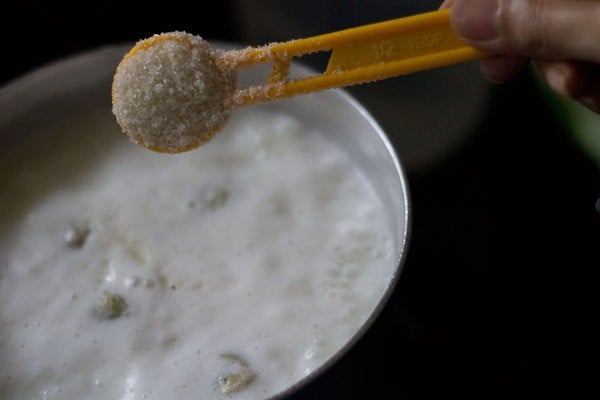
(171, 94)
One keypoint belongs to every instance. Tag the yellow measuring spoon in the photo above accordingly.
(358, 55)
(172, 92)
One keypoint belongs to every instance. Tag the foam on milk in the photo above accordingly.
(263, 251)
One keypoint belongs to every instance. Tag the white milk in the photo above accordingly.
(260, 253)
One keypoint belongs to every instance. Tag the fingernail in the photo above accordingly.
(556, 78)
(475, 20)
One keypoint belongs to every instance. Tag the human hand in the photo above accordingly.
(561, 38)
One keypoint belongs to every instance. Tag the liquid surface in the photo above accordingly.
(228, 272)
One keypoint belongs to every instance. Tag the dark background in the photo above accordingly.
(497, 297)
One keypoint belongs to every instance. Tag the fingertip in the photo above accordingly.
(476, 21)
(556, 76)
(567, 78)
(574, 80)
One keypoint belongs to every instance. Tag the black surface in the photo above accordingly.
(497, 298)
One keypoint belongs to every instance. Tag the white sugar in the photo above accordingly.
(171, 93)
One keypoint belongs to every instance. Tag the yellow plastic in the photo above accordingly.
(358, 55)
